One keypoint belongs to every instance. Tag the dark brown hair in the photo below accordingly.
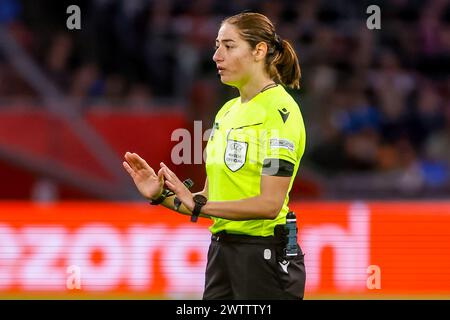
(281, 60)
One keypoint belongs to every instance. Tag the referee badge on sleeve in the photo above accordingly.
(235, 154)
(277, 143)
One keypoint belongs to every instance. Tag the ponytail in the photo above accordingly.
(283, 65)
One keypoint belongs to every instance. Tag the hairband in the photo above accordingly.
(278, 42)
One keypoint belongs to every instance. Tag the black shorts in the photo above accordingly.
(247, 267)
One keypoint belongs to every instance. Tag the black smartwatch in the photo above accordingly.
(199, 201)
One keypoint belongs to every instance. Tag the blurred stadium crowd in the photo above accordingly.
(376, 102)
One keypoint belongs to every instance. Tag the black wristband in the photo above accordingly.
(161, 198)
(167, 193)
(176, 204)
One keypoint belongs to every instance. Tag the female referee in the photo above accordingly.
(252, 158)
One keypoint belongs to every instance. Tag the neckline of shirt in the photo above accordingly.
(269, 86)
(265, 89)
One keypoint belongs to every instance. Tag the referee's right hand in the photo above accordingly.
(149, 184)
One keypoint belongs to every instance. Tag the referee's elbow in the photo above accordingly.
(273, 208)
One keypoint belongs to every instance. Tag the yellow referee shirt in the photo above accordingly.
(269, 126)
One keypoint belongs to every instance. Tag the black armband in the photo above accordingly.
(278, 168)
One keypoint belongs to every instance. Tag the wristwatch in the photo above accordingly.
(199, 201)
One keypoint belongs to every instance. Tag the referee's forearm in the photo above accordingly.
(169, 204)
(254, 208)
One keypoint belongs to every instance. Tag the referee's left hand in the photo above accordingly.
(177, 187)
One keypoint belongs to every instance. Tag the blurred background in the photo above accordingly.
(376, 103)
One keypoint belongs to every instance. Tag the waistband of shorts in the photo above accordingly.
(223, 236)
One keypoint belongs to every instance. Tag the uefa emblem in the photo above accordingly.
(235, 154)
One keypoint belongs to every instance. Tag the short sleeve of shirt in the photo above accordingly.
(282, 137)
